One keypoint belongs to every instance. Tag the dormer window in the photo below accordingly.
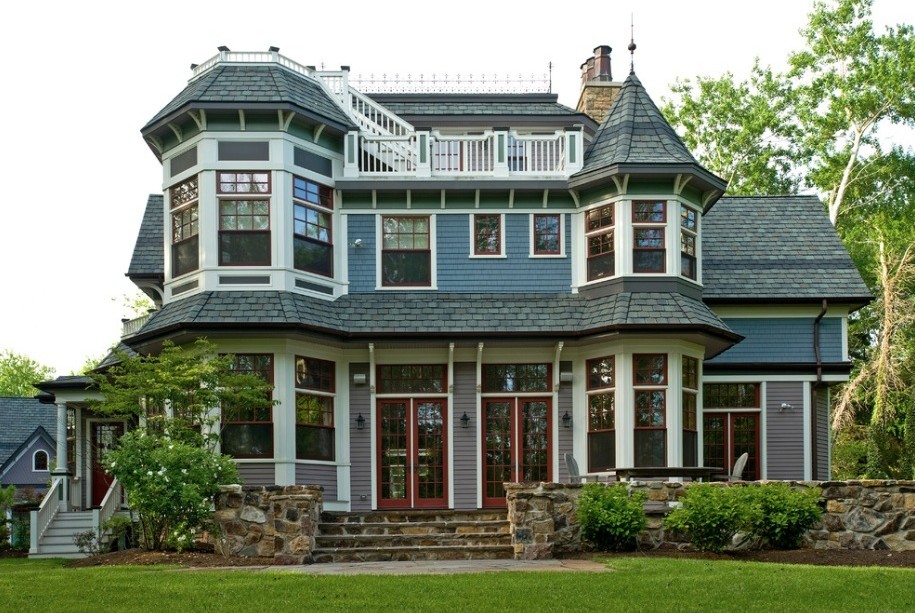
(689, 229)
(648, 251)
(599, 228)
(183, 200)
(244, 218)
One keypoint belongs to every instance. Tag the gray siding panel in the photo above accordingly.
(318, 474)
(466, 462)
(360, 450)
(785, 430)
(257, 474)
(565, 434)
(20, 473)
(787, 339)
(822, 434)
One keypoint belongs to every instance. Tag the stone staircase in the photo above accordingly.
(57, 541)
(382, 536)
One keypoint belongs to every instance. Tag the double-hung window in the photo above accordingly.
(247, 431)
(599, 231)
(312, 234)
(546, 233)
(314, 409)
(648, 250)
(487, 235)
(650, 391)
(244, 218)
(183, 199)
(689, 230)
(689, 410)
(406, 252)
(601, 414)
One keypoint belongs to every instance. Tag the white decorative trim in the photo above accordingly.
(487, 256)
(562, 236)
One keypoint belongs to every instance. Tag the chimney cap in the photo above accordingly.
(602, 50)
(273, 49)
(222, 48)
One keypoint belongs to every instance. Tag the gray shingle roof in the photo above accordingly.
(424, 313)
(147, 259)
(473, 104)
(635, 132)
(19, 417)
(775, 248)
(255, 83)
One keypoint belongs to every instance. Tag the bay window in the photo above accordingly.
(648, 250)
(312, 211)
(244, 218)
(689, 410)
(183, 201)
(599, 232)
(689, 230)
(314, 409)
(650, 393)
(247, 431)
(601, 390)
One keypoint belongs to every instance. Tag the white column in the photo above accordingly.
(60, 469)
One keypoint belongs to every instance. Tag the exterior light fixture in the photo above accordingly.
(360, 422)
(465, 421)
(566, 420)
(359, 378)
(786, 406)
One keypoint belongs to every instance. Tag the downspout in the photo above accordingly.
(816, 342)
(814, 468)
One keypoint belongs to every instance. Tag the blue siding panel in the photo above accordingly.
(782, 340)
(456, 270)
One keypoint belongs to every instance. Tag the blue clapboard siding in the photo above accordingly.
(318, 474)
(360, 451)
(456, 270)
(782, 340)
(257, 474)
(785, 430)
(466, 462)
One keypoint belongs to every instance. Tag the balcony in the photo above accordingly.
(129, 327)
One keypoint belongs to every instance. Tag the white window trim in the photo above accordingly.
(433, 258)
(47, 462)
(562, 236)
(487, 256)
(586, 234)
(696, 234)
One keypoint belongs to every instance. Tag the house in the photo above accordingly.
(450, 291)
(27, 447)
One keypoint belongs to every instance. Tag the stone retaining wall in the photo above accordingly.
(858, 515)
(272, 521)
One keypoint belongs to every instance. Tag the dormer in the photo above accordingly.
(641, 194)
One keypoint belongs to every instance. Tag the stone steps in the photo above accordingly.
(380, 536)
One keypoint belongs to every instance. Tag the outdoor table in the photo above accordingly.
(695, 473)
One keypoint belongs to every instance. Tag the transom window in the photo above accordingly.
(406, 252)
(487, 235)
(183, 199)
(412, 378)
(599, 229)
(730, 395)
(247, 431)
(648, 249)
(689, 230)
(601, 414)
(547, 235)
(690, 404)
(312, 211)
(244, 223)
(314, 409)
(516, 377)
(650, 394)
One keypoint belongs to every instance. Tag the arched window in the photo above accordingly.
(40, 460)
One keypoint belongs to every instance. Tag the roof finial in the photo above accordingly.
(631, 44)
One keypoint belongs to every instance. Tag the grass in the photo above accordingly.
(635, 584)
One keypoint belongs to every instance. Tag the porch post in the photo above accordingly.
(60, 469)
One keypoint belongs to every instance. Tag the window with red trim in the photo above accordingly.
(650, 396)
(547, 237)
(314, 409)
(601, 390)
(247, 432)
(648, 250)
(312, 234)
(599, 234)
(487, 235)
(183, 199)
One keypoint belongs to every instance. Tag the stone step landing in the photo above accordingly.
(380, 536)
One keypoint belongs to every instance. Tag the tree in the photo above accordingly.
(19, 373)
(167, 464)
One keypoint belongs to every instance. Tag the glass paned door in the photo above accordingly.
(516, 444)
(727, 436)
(105, 436)
(411, 464)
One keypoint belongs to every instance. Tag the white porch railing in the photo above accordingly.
(132, 326)
(111, 503)
(47, 511)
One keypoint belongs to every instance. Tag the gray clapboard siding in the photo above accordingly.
(466, 462)
(785, 430)
(318, 474)
(20, 472)
(822, 434)
(257, 474)
(565, 434)
(360, 446)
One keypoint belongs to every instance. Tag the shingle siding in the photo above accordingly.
(785, 430)
(466, 472)
(360, 449)
(782, 340)
(318, 474)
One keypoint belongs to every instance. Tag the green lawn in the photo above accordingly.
(637, 584)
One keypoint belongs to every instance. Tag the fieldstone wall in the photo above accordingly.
(857, 515)
(269, 521)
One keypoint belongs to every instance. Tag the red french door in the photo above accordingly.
(412, 470)
(727, 436)
(105, 435)
(516, 444)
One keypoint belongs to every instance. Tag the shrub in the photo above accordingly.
(781, 514)
(610, 516)
(170, 484)
(710, 514)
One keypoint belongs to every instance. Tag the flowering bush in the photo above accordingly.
(170, 484)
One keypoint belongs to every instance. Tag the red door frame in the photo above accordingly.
(101, 479)
(411, 497)
(516, 448)
(729, 453)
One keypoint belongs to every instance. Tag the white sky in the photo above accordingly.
(81, 79)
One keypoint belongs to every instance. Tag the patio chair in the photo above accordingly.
(574, 475)
(739, 465)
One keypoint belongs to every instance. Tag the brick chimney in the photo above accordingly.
(598, 89)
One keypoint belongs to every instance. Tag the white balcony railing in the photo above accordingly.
(129, 327)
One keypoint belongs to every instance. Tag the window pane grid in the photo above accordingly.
(516, 377)
(596, 219)
(314, 193)
(487, 232)
(601, 373)
(183, 193)
(601, 412)
(650, 369)
(315, 374)
(243, 182)
(546, 234)
(730, 395)
(690, 372)
(419, 378)
(649, 211)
